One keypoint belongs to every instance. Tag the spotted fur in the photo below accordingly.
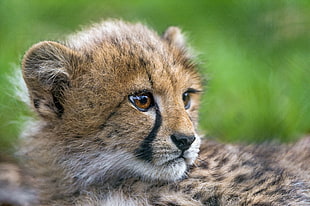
(92, 146)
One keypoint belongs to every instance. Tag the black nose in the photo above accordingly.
(183, 142)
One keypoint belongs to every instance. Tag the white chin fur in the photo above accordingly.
(169, 172)
(110, 165)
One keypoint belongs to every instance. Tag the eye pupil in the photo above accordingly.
(142, 101)
(186, 100)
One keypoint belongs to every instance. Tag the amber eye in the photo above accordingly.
(186, 100)
(142, 101)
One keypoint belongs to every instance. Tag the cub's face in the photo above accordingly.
(118, 101)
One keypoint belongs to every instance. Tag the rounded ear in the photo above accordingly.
(47, 67)
(174, 37)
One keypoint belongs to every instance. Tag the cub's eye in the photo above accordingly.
(186, 99)
(142, 101)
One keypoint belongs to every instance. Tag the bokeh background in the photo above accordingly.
(255, 56)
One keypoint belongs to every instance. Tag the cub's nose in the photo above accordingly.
(182, 141)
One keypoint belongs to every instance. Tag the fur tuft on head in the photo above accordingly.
(174, 36)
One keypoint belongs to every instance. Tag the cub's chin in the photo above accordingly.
(170, 171)
(167, 169)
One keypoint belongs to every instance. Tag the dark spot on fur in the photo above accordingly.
(142, 62)
(262, 181)
(198, 196)
(96, 155)
(110, 134)
(248, 163)
(257, 174)
(248, 188)
(259, 191)
(222, 162)
(212, 201)
(91, 105)
(172, 204)
(204, 164)
(233, 198)
(262, 204)
(233, 167)
(282, 191)
(188, 189)
(214, 153)
(54, 180)
(276, 181)
(76, 193)
(240, 178)
(59, 108)
(36, 103)
(102, 126)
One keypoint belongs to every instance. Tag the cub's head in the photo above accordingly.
(117, 101)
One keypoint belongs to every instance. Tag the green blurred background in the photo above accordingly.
(255, 55)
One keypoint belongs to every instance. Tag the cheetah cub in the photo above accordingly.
(117, 109)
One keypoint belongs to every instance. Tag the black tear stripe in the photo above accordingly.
(145, 151)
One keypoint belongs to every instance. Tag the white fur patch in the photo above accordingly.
(90, 37)
(119, 199)
(106, 166)
(191, 154)
(18, 85)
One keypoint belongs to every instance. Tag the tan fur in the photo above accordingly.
(94, 147)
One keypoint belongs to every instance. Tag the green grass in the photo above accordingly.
(255, 55)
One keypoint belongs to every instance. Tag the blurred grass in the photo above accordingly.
(256, 55)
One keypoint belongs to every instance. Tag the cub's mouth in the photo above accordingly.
(182, 158)
(173, 166)
(174, 158)
(177, 160)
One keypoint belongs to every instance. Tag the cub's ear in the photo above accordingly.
(174, 37)
(47, 68)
